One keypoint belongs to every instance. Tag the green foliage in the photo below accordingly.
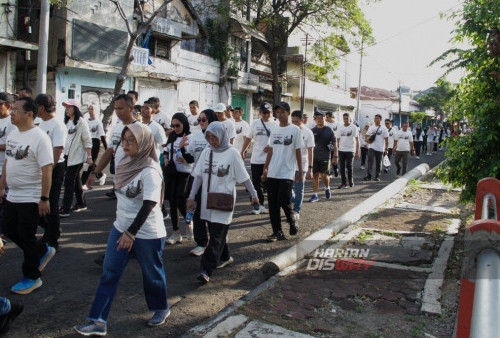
(59, 3)
(417, 117)
(475, 155)
(218, 39)
(438, 98)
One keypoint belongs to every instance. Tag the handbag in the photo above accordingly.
(217, 200)
(171, 168)
(372, 137)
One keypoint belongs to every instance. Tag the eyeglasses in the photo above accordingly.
(129, 141)
(202, 120)
(176, 125)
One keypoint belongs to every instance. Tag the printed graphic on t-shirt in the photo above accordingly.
(3, 132)
(133, 191)
(239, 130)
(346, 133)
(283, 139)
(260, 132)
(94, 129)
(72, 130)
(218, 169)
(16, 151)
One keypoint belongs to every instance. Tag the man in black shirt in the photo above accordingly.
(325, 143)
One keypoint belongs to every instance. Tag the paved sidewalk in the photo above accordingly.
(405, 285)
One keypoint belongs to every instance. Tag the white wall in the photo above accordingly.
(368, 109)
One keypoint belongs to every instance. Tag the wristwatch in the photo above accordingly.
(310, 167)
(97, 175)
(44, 198)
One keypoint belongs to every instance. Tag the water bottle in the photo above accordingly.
(189, 216)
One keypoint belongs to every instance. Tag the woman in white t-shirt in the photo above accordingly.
(431, 135)
(98, 136)
(178, 165)
(195, 144)
(77, 151)
(227, 169)
(138, 230)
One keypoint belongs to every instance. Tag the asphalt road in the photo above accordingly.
(71, 279)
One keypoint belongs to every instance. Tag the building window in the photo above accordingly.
(160, 48)
(199, 46)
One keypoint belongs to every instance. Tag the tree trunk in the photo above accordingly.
(275, 69)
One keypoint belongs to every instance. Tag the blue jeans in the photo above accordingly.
(298, 193)
(4, 306)
(148, 253)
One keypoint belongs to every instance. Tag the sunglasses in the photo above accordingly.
(202, 120)
(176, 125)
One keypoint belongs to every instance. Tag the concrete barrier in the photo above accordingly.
(315, 240)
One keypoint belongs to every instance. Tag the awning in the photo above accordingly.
(16, 44)
(244, 31)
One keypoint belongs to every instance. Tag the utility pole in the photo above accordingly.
(356, 117)
(304, 64)
(43, 47)
(399, 104)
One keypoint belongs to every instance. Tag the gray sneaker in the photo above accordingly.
(91, 329)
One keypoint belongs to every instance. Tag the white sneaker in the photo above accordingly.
(175, 237)
(84, 187)
(225, 263)
(198, 251)
(102, 180)
(189, 231)
(262, 209)
(362, 167)
(256, 211)
(296, 216)
(418, 157)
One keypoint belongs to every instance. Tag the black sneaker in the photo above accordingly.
(377, 179)
(280, 236)
(64, 212)
(398, 171)
(79, 207)
(351, 184)
(16, 307)
(343, 186)
(111, 194)
(294, 229)
(367, 178)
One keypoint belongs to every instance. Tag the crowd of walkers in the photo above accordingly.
(191, 163)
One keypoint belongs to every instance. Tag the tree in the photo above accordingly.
(475, 155)
(279, 19)
(417, 117)
(128, 58)
(438, 98)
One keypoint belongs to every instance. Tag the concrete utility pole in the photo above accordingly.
(43, 47)
(304, 64)
(356, 117)
(400, 104)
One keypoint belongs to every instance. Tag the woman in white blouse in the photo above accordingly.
(77, 151)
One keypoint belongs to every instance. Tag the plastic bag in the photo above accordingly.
(386, 161)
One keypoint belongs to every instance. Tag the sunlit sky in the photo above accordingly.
(409, 34)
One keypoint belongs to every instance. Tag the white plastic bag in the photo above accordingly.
(386, 161)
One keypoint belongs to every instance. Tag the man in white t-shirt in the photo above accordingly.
(390, 142)
(259, 133)
(27, 172)
(307, 161)
(156, 129)
(403, 145)
(124, 108)
(348, 149)
(330, 122)
(376, 149)
(194, 108)
(57, 132)
(242, 128)
(283, 157)
(161, 117)
(220, 111)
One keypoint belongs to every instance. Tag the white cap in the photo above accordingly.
(220, 107)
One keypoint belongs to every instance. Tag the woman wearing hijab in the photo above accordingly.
(138, 229)
(77, 151)
(227, 169)
(179, 164)
(195, 144)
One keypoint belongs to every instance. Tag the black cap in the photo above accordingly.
(229, 107)
(304, 115)
(238, 108)
(265, 107)
(283, 105)
(6, 98)
(329, 113)
(319, 112)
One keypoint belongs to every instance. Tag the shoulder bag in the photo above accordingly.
(217, 200)
(268, 132)
(170, 168)
(372, 137)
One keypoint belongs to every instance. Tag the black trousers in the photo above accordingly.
(217, 250)
(52, 223)
(389, 154)
(73, 185)
(346, 160)
(279, 193)
(364, 153)
(199, 225)
(177, 190)
(20, 221)
(374, 156)
(257, 170)
(96, 146)
(418, 145)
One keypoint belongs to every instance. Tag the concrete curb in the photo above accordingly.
(317, 239)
